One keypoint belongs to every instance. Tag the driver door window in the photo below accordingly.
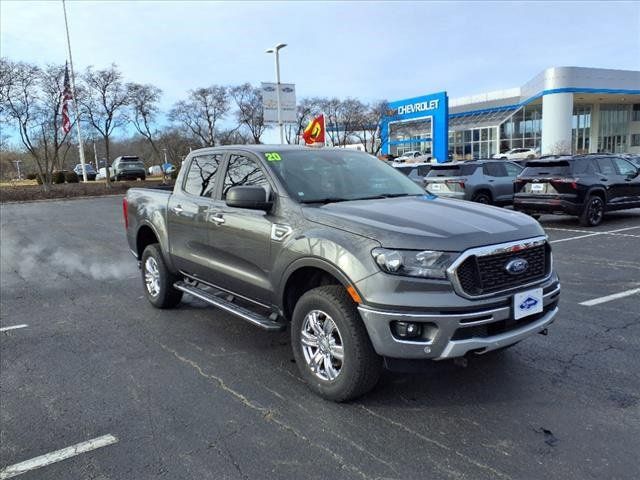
(243, 171)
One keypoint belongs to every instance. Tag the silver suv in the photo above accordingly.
(482, 181)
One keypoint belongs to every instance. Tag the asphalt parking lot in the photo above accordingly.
(195, 393)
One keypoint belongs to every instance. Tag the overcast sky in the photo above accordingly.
(369, 50)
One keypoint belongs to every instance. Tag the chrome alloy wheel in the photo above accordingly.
(152, 276)
(322, 345)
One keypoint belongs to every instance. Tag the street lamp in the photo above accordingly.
(276, 50)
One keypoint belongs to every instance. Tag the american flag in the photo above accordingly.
(66, 98)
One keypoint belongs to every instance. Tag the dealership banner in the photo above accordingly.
(287, 102)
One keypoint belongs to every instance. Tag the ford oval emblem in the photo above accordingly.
(516, 266)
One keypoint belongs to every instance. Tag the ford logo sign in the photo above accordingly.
(516, 266)
(528, 304)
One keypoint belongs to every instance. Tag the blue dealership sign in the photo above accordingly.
(435, 107)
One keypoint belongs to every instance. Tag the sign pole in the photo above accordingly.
(73, 94)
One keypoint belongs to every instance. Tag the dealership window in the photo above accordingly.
(635, 112)
(614, 128)
(522, 130)
(635, 140)
(580, 128)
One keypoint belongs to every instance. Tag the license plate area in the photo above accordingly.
(527, 303)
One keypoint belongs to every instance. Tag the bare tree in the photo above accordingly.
(248, 99)
(31, 99)
(104, 99)
(368, 131)
(201, 111)
(143, 104)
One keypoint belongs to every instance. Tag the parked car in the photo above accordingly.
(408, 155)
(91, 172)
(354, 258)
(482, 181)
(415, 171)
(517, 153)
(127, 167)
(583, 185)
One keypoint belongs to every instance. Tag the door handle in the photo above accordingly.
(178, 209)
(218, 219)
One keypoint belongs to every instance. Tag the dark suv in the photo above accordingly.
(583, 185)
(482, 181)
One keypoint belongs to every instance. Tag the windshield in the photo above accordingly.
(452, 170)
(337, 175)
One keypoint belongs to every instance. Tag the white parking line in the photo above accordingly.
(610, 232)
(13, 327)
(575, 238)
(608, 298)
(57, 456)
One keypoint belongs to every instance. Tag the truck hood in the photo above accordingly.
(426, 222)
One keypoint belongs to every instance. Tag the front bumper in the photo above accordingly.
(449, 335)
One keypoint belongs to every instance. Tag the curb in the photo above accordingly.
(63, 199)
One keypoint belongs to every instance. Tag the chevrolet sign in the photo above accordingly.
(418, 107)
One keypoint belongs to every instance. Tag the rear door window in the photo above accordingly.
(606, 167)
(494, 170)
(201, 177)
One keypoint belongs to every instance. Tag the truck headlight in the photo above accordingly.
(412, 263)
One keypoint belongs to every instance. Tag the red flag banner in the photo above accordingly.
(315, 131)
(66, 98)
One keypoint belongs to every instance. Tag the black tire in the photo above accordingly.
(167, 296)
(361, 366)
(593, 211)
(482, 197)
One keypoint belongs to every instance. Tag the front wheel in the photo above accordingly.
(331, 345)
(593, 211)
(158, 280)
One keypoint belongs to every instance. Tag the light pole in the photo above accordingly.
(276, 50)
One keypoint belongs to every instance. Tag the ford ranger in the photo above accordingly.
(365, 267)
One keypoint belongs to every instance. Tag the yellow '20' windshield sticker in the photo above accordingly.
(273, 156)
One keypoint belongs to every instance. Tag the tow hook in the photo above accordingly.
(461, 362)
(544, 332)
(139, 265)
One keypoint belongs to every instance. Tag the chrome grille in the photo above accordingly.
(484, 274)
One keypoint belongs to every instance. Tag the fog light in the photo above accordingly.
(407, 329)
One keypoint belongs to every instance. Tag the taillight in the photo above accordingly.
(455, 182)
(573, 182)
(125, 212)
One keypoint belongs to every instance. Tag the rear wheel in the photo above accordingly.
(481, 197)
(593, 211)
(331, 345)
(158, 280)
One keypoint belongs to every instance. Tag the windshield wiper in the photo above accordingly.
(388, 195)
(328, 200)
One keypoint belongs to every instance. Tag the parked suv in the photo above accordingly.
(583, 185)
(127, 167)
(482, 181)
(517, 154)
(415, 171)
(91, 172)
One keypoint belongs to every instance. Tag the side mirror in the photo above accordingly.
(251, 197)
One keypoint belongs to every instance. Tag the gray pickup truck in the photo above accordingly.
(367, 268)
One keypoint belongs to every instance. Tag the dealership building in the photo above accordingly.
(561, 110)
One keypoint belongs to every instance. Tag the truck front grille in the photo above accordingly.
(481, 275)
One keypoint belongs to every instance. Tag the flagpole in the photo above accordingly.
(73, 94)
